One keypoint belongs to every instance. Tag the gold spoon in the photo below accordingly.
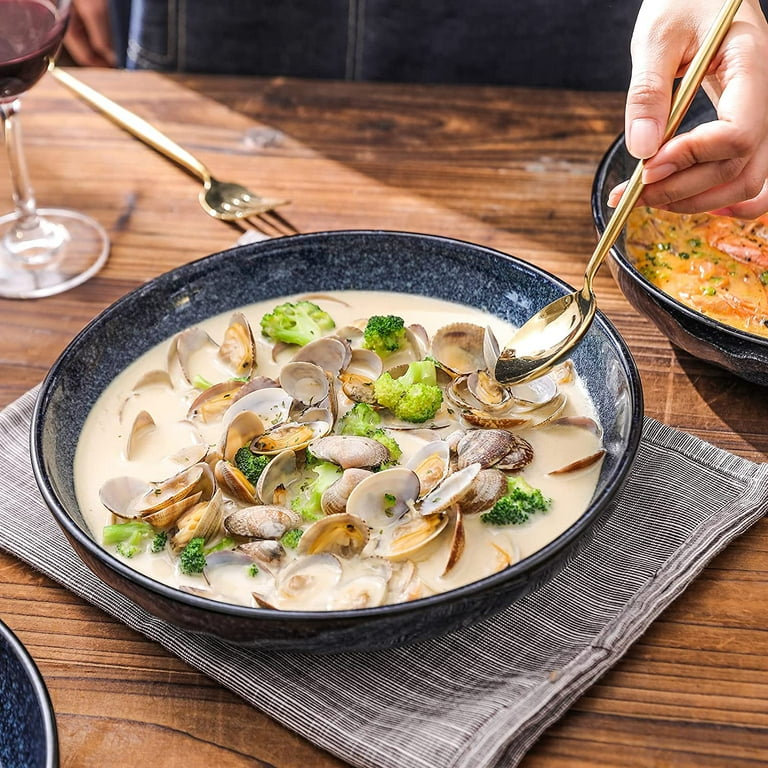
(545, 339)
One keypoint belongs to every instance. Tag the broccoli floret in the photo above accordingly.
(290, 539)
(384, 334)
(360, 420)
(296, 323)
(159, 542)
(364, 421)
(415, 396)
(389, 442)
(253, 570)
(250, 464)
(516, 507)
(192, 557)
(127, 537)
(307, 501)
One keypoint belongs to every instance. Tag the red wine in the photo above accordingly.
(30, 35)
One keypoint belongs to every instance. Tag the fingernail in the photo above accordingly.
(723, 212)
(643, 137)
(658, 172)
(613, 197)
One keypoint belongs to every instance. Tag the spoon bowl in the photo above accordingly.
(549, 335)
(544, 340)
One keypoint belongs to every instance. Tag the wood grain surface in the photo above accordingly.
(507, 168)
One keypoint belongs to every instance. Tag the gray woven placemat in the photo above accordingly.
(479, 697)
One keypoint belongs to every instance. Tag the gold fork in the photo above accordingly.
(222, 200)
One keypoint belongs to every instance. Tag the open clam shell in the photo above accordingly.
(384, 496)
(293, 435)
(343, 534)
(410, 536)
(431, 462)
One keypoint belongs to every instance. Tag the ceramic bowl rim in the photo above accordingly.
(623, 262)
(511, 573)
(40, 691)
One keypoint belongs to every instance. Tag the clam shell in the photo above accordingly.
(330, 353)
(582, 463)
(118, 495)
(459, 347)
(458, 541)
(278, 474)
(311, 575)
(450, 491)
(361, 592)
(170, 513)
(203, 520)
(535, 393)
(141, 430)
(157, 378)
(271, 404)
(365, 363)
(262, 521)
(358, 388)
(384, 496)
(233, 482)
(240, 431)
(411, 535)
(344, 535)
(349, 451)
(486, 446)
(478, 418)
(211, 404)
(238, 349)
(293, 435)
(264, 551)
(520, 455)
(305, 382)
(488, 487)
(197, 478)
(334, 498)
(431, 463)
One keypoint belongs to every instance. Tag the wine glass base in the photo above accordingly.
(33, 269)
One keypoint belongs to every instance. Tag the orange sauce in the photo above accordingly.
(715, 264)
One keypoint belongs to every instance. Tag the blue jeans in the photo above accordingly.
(559, 43)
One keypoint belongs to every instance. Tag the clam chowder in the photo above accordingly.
(370, 465)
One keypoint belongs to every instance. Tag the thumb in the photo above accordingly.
(649, 97)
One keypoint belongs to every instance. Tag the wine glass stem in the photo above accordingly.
(23, 195)
(31, 241)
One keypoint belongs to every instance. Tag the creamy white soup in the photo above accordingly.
(334, 474)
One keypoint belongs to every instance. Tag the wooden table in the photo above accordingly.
(507, 168)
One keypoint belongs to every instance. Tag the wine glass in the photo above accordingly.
(47, 250)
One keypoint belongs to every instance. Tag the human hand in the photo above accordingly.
(717, 166)
(88, 39)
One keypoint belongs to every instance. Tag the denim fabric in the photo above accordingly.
(558, 43)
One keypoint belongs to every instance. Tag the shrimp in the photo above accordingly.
(745, 241)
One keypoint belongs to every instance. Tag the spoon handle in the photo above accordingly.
(680, 103)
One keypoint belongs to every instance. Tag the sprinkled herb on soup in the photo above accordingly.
(715, 264)
(333, 452)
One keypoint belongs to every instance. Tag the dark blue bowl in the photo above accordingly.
(365, 260)
(28, 737)
(743, 354)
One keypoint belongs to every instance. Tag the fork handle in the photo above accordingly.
(134, 124)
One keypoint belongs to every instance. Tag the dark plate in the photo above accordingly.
(365, 260)
(28, 737)
(743, 354)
